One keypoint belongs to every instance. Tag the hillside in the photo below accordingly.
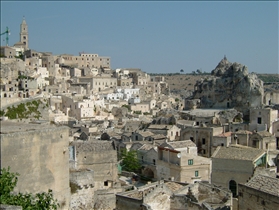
(179, 82)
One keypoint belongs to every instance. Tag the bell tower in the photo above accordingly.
(24, 33)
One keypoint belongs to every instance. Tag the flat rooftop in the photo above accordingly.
(15, 127)
(204, 112)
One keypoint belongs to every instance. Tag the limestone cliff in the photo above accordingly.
(9, 68)
(230, 86)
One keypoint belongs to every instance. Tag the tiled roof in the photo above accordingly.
(265, 184)
(159, 136)
(264, 133)
(173, 186)
(97, 146)
(238, 153)
(147, 147)
(243, 132)
(146, 133)
(227, 134)
(163, 127)
(181, 144)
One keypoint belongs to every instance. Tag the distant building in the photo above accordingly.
(23, 36)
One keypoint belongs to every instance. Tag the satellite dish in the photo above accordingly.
(178, 155)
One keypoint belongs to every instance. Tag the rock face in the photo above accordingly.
(230, 86)
(9, 68)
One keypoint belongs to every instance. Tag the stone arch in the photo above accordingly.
(105, 136)
(233, 187)
(148, 172)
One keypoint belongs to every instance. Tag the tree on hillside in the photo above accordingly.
(27, 201)
(199, 71)
(181, 71)
(130, 161)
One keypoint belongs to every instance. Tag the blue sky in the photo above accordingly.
(156, 36)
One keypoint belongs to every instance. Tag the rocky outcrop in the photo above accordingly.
(9, 68)
(230, 86)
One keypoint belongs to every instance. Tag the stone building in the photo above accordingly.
(262, 119)
(77, 107)
(86, 60)
(262, 140)
(179, 161)
(260, 192)
(98, 83)
(271, 97)
(140, 78)
(235, 164)
(172, 132)
(8, 52)
(223, 140)
(275, 132)
(202, 136)
(165, 195)
(98, 156)
(39, 153)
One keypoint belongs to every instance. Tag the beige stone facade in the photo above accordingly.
(235, 164)
(99, 83)
(8, 52)
(262, 119)
(179, 161)
(39, 153)
(100, 157)
(86, 60)
(202, 137)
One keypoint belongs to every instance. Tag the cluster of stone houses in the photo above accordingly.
(213, 150)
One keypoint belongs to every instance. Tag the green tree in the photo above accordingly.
(130, 161)
(39, 201)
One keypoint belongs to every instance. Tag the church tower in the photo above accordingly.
(24, 34)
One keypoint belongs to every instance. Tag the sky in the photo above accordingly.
(155, 36)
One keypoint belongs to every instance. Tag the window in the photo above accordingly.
(192, 138)
(259, 120)
(154, 162)
(190, 162)
(72, 152)
(203, 141)
(196, 173)
(106, 183)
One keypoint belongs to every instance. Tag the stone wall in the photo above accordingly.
(82, 189)
(100, 157)
(40, 157)
(127, 203)
(224, 170)
(250, 198)
(9, 207)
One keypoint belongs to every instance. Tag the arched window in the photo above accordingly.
(233, 187)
